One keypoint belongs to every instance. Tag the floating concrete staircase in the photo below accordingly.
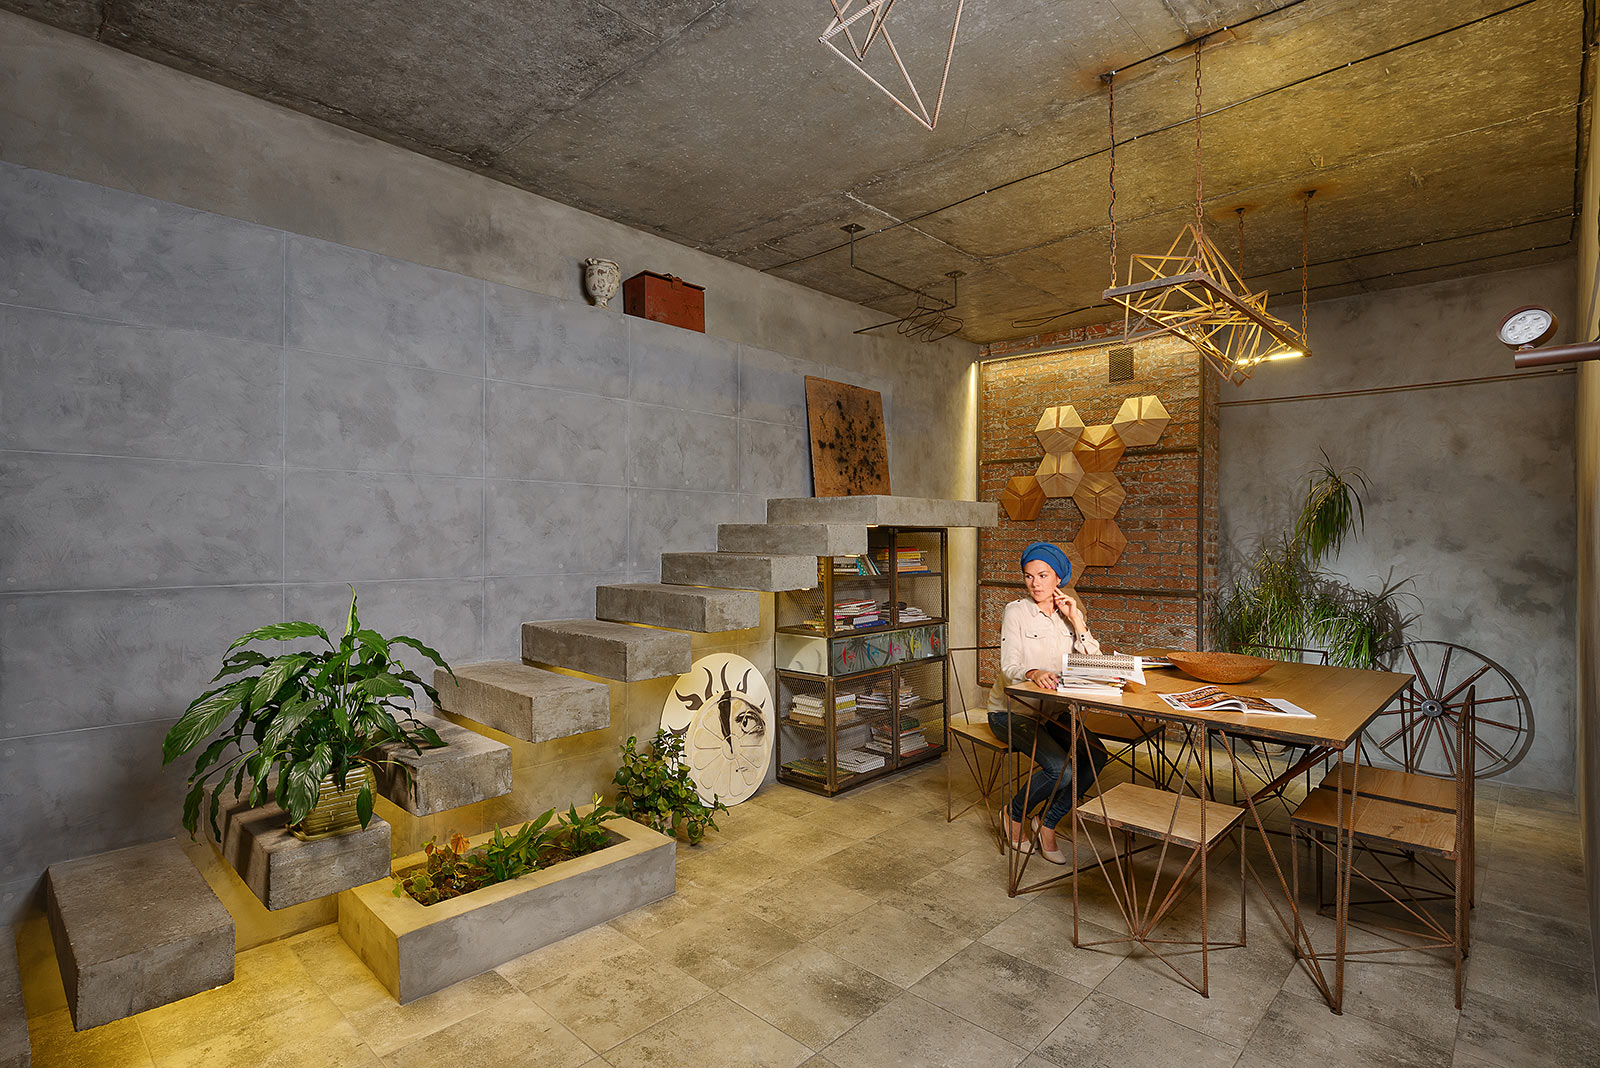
(470, 768)
(793, 539)
(524, 701)
(700, 609)
(282, 870)
(882, 511)
(740, 571)
(611, 650)
(133, 929)
(642, 630)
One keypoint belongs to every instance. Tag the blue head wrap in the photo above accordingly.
(1043, 550)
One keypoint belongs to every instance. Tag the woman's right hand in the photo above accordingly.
(1043, 679)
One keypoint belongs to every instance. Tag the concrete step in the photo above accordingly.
(739, 571)
(878, 510)
(610, 650)
(695, 608)
(793, 539)
(470, 768)
(524, 701)
(133, 929)
(283, 871)
(16, 1049)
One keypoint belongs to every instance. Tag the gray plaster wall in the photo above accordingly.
(247, 358)
(1471, 484)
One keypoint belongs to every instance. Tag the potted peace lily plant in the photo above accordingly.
(304, 725)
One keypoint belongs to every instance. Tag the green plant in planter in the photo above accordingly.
(655, 789)
(299, 716)
(455, 868)
(1282, 599)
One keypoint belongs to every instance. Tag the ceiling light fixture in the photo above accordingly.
(1192, 292)
(931, 318)
(844, 26)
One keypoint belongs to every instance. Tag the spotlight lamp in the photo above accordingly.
(1524, 329)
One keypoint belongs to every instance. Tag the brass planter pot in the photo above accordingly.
(335, 810)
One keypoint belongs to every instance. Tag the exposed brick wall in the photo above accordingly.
(1152, 594)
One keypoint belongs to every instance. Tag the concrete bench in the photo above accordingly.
(133, 929)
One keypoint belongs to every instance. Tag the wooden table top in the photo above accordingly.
(1342, 701)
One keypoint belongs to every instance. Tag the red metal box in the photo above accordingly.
(666, 299)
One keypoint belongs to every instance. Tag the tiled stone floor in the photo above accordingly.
(865, 930)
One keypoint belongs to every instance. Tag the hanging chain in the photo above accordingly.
(1111, 208)
(1305, 264)
(1240, 212)
(1199, 216)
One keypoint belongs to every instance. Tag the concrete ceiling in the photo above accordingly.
(1442, 137)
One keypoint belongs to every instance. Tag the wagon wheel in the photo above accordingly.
(1419, 730)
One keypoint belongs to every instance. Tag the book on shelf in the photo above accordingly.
(859, 760)
(1215, 699)
(808, 769)
(853, 566)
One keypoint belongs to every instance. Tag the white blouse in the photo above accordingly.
(1031, 639)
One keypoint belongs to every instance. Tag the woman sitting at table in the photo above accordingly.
(1034, 633)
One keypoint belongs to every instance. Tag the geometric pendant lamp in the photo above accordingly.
(1192, 292)
(858, 28)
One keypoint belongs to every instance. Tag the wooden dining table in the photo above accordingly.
(1342, 702)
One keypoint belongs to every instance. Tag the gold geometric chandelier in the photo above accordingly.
(858, 41)
(1192, 292)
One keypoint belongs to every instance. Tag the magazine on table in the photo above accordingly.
(1115, 669)
(1215, 699)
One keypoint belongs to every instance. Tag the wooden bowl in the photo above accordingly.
(1219, 667)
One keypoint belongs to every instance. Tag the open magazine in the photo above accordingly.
(1213, 699)
(1098, 673)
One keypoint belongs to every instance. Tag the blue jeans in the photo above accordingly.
(1049, 760)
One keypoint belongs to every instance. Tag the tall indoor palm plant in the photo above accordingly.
(1283, 599)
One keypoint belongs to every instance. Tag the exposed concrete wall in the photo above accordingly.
(249, 358)
(1471, 485)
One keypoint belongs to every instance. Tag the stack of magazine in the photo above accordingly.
(1098, 674)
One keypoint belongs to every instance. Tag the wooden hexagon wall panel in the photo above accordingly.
(1141, 420)
(1022, 498)
(1099, 495)
(1101, 542)
(1099, 448)
(1059, 428)
(1059, 474)
(1075, 561)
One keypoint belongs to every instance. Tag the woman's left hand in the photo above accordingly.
(1068, 606)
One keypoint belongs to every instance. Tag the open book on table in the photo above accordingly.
(1215, 699)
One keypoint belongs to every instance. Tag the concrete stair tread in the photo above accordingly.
(524, 701)
(740, 571)
(882, 510)
(701, 609)
(468, 769)
(135, 928)
(610, 650)
(798, 539)
(283, 871)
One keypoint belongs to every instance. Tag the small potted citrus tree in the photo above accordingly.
(303, 725)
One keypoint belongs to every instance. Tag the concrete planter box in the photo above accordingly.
(416, 949)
